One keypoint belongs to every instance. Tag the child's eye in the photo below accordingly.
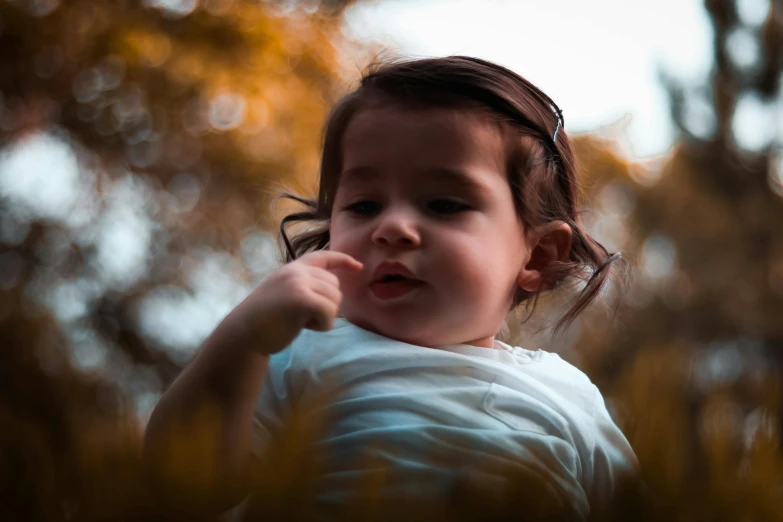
(447, 206)
(363, 207)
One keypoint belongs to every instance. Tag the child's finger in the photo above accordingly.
(325, 276)
(323, 313)
(327, 289)
(330, 260)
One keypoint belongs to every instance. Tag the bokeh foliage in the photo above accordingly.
(693, 359)
(185, 115)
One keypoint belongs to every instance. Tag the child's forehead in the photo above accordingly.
(439, 176)
(440, 139)
(421, 116)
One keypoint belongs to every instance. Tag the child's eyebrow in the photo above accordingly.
(443, 174)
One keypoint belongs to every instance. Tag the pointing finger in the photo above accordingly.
(330, 260)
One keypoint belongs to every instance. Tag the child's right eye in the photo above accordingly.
(363, 207)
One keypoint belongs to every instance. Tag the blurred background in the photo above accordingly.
(141, 144)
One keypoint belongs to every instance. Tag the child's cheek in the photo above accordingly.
(350, 285)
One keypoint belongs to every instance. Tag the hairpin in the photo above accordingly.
(559, 115)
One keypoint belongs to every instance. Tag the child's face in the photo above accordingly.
(428, 189)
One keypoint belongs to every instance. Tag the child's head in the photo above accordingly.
(458, 170)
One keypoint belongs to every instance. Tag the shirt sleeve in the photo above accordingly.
(612, 461)
(273, 405)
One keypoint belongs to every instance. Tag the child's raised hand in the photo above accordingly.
(304, 293)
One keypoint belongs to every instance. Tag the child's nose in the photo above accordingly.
(397, 227)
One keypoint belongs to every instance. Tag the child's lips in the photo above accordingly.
(395, 288)
(391, 269)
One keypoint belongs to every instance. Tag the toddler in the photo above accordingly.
(447, 198)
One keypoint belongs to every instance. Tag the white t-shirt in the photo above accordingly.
(426, 415)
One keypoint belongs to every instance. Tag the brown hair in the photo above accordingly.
(541, 166)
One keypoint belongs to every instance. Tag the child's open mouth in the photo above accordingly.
(394, 286)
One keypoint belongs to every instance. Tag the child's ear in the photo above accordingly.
(546, 243)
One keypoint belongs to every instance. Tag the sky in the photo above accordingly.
(598, 59)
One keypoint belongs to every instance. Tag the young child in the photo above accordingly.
(447, 198)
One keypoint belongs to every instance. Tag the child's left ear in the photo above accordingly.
(546, 243)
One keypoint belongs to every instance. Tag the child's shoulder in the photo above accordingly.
(564, 370)
(550, 363)
(562, 377)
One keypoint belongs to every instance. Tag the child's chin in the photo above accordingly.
(405, 334)
(396, 328)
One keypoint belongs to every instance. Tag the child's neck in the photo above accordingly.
(483, 342)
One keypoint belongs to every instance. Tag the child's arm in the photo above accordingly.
(198, 440)
(614, 467)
